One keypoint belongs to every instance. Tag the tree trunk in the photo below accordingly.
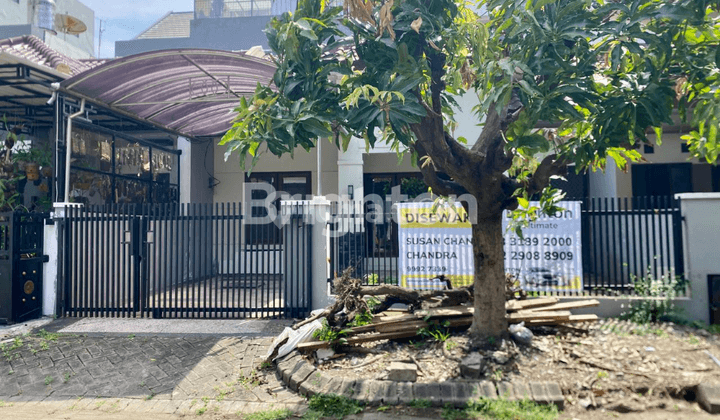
(489, 317)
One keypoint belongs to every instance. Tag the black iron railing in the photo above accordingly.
(185, 261)
(624, 241)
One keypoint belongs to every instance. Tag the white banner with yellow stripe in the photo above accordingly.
(434, 244)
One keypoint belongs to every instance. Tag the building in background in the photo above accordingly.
(68, 27)
(231, 25)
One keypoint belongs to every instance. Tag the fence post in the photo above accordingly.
(56, 274)
(319, 209)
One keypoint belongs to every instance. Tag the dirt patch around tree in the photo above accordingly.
(616, 367)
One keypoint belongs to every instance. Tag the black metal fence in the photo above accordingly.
(21, 265)
(624, 240)
(184, 261)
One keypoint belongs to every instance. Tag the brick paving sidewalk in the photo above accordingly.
(166, 374)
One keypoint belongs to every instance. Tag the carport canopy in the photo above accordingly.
(191, 92)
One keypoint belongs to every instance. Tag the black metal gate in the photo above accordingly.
(184, 261)
(21, 265)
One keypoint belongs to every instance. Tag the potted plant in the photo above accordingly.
(33, 159)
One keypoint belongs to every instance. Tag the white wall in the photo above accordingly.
(75, 46)
(701, 230)
(14, 13)
(231, 177)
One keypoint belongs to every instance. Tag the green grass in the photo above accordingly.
(420, 403)
(510, 410)
(330, 405)
(279, 414)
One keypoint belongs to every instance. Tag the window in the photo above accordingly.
(296, 184)
(108, 169)
(648, 149)
(661, 179)
(684, 148)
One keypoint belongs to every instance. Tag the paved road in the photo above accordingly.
(84, 365)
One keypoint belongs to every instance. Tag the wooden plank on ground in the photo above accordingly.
(390, 319)
(446, 311)
(562, 306)
(516, 305)
(314, 345)
(415, 325)
(525, 316)
(571, 320)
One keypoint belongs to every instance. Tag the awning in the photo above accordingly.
(189, 91)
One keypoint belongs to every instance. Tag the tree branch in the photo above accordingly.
(496, 124)
(548, 167)
(439, 186)
(437, 85)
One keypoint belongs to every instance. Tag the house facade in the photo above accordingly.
(70, 30)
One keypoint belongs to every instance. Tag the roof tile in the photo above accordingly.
(33, 49)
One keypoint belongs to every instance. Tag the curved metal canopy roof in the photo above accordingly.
(188, 91)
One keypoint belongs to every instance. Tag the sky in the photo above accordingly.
(125, 19)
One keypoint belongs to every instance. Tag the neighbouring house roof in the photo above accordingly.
(172, 25)
(31, 48)
(189, 91)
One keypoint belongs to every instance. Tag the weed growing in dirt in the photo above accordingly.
(48, 380)
(658, 294)
(250, 381)
(510, 410)
(279, 414)
(330, 405)
(449, 345)
(420, 403)
(417, 344)
(7, 350)
(48, 336)
(327, 333)
(436, 332)
(200, 411)
(451, 413)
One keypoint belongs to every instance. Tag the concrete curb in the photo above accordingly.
(303, 377)
(708, 396)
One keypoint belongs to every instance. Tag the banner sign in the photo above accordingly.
(549, 255)
(434, 244)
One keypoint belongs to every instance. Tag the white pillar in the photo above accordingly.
(51, 248)
(350, 169)
(50, 270)
(701, 231)
(320, 212)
